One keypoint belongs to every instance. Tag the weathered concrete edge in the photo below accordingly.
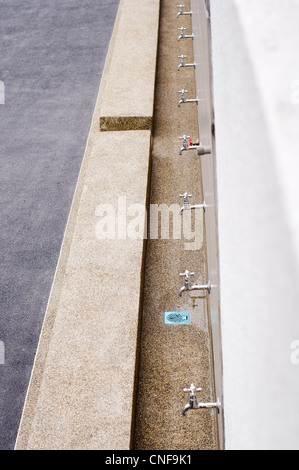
(128, 98)
(54, 297)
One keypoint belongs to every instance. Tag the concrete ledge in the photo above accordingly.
(81, 394)
(128, 98)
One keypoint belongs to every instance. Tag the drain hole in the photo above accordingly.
(177, 318)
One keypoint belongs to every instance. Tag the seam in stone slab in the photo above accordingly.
(112, 124)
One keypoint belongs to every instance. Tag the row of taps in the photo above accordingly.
(201, 150)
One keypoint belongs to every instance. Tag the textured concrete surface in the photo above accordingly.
(173, 356)
(52, 57)
(82, 389)
(128, 99)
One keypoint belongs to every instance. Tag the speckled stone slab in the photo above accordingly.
(82, 388)
(172, 356)
(130, 70)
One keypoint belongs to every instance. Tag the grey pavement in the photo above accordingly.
(52, 56)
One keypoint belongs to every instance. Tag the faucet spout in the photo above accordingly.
(186, 408)
(192, 101)
(189, 147)
(206, 287)
(182, 289)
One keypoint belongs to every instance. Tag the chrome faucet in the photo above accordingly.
(193, 403)
(201, 150)
(188, 285)
(183, 35)
(181, 12)
(184, 99)
(187, 205)
(183, 63)
(188, 146)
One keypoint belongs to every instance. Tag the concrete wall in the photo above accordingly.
(255, 79)
(203, 76)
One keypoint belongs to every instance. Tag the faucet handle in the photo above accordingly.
(184, 137)
(182, 56)
(183, 91)
(193, 389)
(186, 197)
(182, 29)
(186, 274)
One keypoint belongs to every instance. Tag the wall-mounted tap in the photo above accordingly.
(188, 145)
(188, 285)
(193, 402)
(183, 63)
(188, 206)
(184, 99)
(183, 35)
(181, 12)
(201, 149)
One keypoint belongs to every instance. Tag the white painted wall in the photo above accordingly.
(255, 64)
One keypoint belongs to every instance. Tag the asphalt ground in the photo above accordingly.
(52, 57)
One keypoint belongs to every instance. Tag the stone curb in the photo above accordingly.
(128, 97)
